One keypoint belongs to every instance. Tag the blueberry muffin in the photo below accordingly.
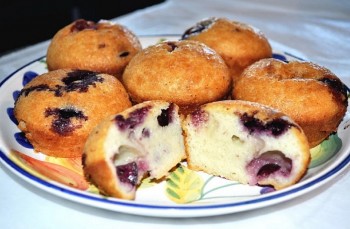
(144, 140)
(101, 47)
(187, 73)
(246, 142)
(238, 44)
(57, 110)
(310, 94)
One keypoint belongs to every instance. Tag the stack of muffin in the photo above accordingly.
(215, 98)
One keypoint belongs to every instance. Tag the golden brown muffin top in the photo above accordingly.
(102, 47)
(183, 72)
(230, 38)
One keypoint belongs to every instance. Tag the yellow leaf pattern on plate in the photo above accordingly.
(184, 185)
(147, 182)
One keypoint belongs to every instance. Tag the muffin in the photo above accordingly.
(101, 47)
(310, 94)
(187, 73)
(144, 140)
(57, 110)
(239, 44)
(246, 142)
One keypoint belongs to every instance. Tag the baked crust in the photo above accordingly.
(100, 47)
(187, 73)
(57, 110)
(310, 94)
(239, 44)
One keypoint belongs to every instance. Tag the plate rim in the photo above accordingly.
(263, 200)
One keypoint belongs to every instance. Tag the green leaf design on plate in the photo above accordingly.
(183, 185)
(325, 151)
(147, 183)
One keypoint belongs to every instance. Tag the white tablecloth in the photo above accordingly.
(315, 30)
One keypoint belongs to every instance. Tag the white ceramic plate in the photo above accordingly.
(183, 194)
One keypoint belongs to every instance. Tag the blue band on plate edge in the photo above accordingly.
(278, 194)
